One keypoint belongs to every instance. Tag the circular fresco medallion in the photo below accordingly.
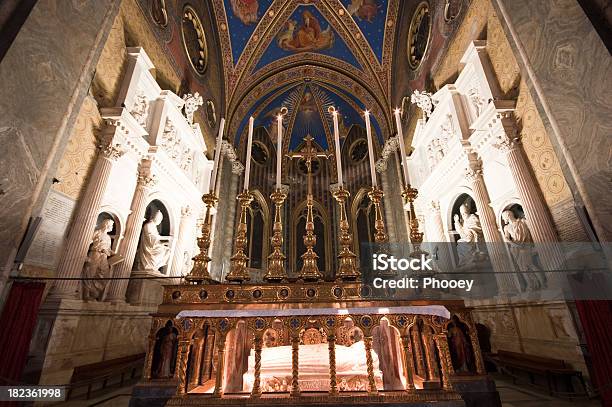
(194, 40)
(418, 35)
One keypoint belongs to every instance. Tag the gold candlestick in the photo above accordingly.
(376, 194)
(416, 237)
(276, 266)
(200, 273)
(347, 269)
(238, 269)
(310, 269)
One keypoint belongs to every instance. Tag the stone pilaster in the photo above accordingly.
(536, 213)
(84, 224)
(133, 227)
(495, 243)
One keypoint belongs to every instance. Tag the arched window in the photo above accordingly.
(364, 216)
(320, 230)
(257, 232)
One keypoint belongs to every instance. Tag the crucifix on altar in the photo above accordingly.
(310, 270)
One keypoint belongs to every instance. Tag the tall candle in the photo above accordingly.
(400, 139)
(370, 148)
(337, 144)
(248, 155)
(279, 149)
(213, 177)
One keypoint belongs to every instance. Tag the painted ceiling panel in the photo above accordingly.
(370, 16)
(307, 30)
(242, 18)
(307, 104)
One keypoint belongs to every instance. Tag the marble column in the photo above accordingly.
(178, 259)
(390, 190)
(495, 243)
(536, 213)
(84, 224)
(133, 227)
(437, 238)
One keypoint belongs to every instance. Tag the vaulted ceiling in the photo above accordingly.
(306, 55)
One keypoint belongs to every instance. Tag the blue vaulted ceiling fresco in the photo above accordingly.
(307, 105)
(307, 55)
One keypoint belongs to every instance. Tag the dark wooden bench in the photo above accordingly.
(552, 370)
(98, 376)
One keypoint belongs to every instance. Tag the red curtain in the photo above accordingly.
(596, 319)
(17, 325)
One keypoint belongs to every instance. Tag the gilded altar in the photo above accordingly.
(324, 343)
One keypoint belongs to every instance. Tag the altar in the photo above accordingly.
(323, 343)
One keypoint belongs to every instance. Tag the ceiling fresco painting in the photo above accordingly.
(307, 55)
(307, 31)
(243, 17)
(307, 105)
(370, 16)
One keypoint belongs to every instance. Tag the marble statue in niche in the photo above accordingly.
(140, 109)
(96, 265)
(468, 226)
(154, 250)
(518, 237)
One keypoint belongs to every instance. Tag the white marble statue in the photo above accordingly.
(518, 237)
(96, 265)
(424, 101)
(192, 103)
(154, 250)
(470, 232)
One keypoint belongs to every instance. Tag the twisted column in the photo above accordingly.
(256, 391)
(445, 360)
(333, 384)
(495, 243)
(370, 365)
(430, 356)
(218, 392)
(182, 366)
(408, 362)
(84, 224)
(133, 228)
(208, 356)
(418, 353)
(295, 369)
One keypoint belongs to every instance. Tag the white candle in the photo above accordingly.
(279, 149)
(213, 177)
(400, 137)
(337, 144)
(248, 155)
(370, 148)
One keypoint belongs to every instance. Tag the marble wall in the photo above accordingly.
(44, 78)
(567, 68)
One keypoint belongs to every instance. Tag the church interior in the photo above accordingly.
(197, 196)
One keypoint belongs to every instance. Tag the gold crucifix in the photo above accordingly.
(310, 270)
